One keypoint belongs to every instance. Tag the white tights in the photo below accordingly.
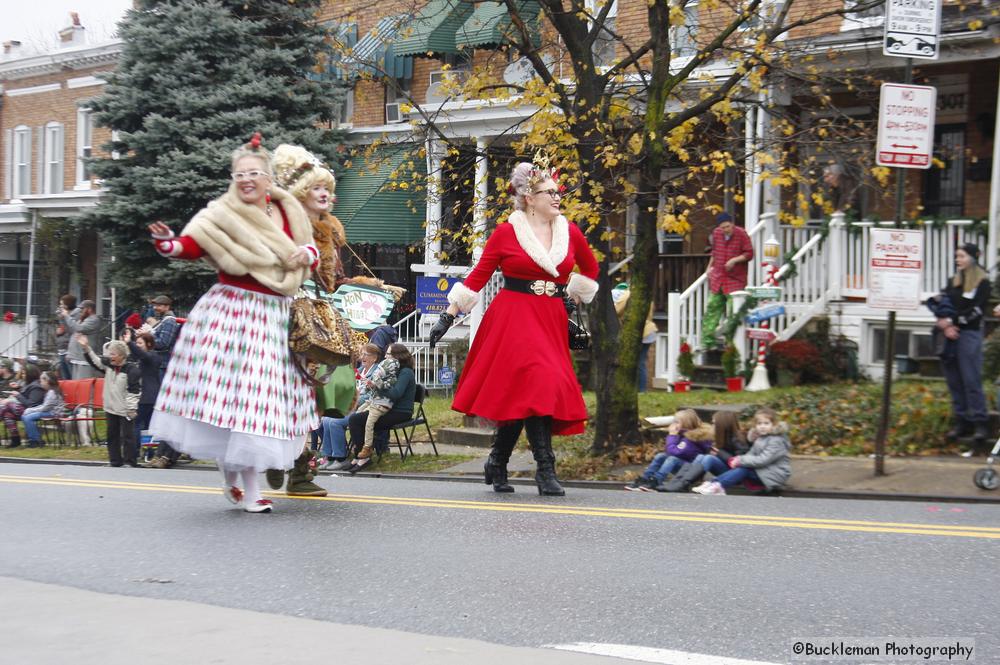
(251, 488)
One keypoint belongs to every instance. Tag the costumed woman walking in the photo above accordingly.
(518, 371)
(231, 392)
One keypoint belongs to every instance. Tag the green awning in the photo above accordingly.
(344, 37)
(490, 23)
(433, 29)
(372, 208)
(375, 53)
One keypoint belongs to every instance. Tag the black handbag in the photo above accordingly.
(579, 337)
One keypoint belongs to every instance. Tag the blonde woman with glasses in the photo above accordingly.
(231, 392)
(518, 371)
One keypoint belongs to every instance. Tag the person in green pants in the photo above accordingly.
(727, 272)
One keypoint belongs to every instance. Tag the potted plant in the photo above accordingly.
(685, 367)
(730, 367)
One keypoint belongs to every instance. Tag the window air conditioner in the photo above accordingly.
(393, 115)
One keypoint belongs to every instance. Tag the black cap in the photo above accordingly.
(972, 250)
(723, 217)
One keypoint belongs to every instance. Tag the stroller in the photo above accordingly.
(987, 478)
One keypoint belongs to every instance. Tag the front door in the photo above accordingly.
(944, 191)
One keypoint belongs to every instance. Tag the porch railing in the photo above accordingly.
(685, 309)
(825, 270)
(413, 329)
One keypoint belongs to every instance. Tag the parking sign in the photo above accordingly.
(906, 126)
(912, 29)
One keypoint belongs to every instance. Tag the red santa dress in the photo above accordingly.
(519, 364)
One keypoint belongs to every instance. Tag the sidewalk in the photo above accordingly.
(946, 478)
(907, 478)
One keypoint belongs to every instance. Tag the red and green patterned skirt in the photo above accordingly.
(231, 392)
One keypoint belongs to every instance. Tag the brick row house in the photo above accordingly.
(417, 45)
(46, 132)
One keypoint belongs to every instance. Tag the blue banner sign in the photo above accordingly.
(446, 376)
(432, 293)
(764, 313)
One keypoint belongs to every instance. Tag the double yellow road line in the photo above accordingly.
(856, 526)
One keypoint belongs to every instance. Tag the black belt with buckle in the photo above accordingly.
(537, 287)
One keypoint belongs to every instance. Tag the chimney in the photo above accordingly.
(72, 35)
(11, 49)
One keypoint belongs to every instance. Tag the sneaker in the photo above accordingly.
(335, 465)
(259, 506)
(712, 488)
(233, 494)
(637, 485)
(967, 453)
(650, 485)
(700, 488)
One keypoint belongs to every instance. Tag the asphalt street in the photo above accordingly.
(736, 577)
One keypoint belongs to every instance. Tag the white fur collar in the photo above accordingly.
(547, 261)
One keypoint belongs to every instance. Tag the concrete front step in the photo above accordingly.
(479, 437)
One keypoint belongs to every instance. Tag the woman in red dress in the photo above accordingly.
(518, 371)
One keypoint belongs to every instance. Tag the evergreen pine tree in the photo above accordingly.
(195, 80)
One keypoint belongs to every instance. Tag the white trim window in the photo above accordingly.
(605, 43)
(84, 146)
(345, 110)
(52, 176)
(872, 17)
(20, 162)
(684, 38)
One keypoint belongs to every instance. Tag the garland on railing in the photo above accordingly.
(789, 260)
(733, 322)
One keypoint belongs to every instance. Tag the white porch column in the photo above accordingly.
(740, 336)
(836, 264)
(31, 265)
(479, 225)
(994, 219)
(750, 206)
(673, 335)
(432, 244)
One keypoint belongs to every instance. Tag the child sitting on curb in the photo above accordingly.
(687, 437)
(768, 462)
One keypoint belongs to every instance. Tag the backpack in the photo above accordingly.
(685, 478)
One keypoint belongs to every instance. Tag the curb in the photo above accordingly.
(579, 484)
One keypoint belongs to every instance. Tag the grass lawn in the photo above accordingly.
(833, 419)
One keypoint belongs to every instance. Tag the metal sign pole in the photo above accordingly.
(890, 332)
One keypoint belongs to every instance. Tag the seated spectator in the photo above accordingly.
(768, 462)
(12, 407)
(334, 451)
(380, 384)
(8, 381)
(122, 386)
(402, 396)
(729, 442)
(687, 437)
(52, 406)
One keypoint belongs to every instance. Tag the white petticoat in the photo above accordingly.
(231, 392)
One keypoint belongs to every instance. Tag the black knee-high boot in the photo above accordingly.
(504, 440)
(539, 431)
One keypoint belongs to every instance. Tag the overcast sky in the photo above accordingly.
(35, 22)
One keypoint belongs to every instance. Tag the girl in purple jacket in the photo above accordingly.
(687, 437)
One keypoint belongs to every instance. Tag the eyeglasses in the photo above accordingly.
(555, 194)
(249, 175)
